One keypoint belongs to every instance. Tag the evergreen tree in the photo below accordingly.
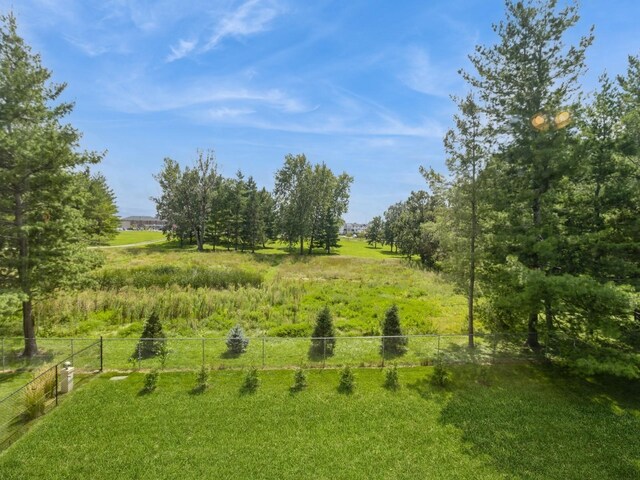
(459, 224)
(152, 341)
(375, 232)
(391, 224)
(237, 342)
(391, 328)
(42, 227)
(98, 207)
(323, 336)
(521, 81)
(251, 222)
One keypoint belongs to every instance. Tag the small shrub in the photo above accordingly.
(347, 380)
(397, 344)
(440, 376)
(163, 353)
(202, 380)
(482, 375)
(237, 342)
(299, 380)
(152, 339)
(251, 381)
(323, 342)
(34, 401)
(391, 380)
(151, 381)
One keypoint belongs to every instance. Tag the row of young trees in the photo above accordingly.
(51, 206)
(540, 214)
(307, 205)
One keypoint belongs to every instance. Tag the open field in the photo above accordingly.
(129, 237)
(269, 292)
(507, 422)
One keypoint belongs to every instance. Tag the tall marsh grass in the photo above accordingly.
(165, 275)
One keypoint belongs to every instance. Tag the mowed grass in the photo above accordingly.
(130, 237)
(517, 423)
(357, 287)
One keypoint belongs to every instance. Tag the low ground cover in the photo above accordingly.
(500, 422)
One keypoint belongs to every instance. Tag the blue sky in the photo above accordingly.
(362, 85)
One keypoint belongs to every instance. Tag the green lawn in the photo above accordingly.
(129, 237)
(517, 423)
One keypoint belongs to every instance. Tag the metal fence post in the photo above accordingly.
(383, 352)
(438, 350)
(203, 352)
(72, 352)
(263, 352)
(101, 352)
(56, 384)
(324, 352)
(140, 354)
(3, 364)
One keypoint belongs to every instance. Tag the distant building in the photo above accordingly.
(141, 223)
(353, 228)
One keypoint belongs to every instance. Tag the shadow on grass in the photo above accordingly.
(532, 424)
(229, 355)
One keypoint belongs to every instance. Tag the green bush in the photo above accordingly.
(347, 381)
(237, 341)
(323, 342)
(151, 381)
(391, 380)
(251, 381)
(397, 344)
(290, 330)
(152, 340)
(299, 380)
(34, 401)
(202, 380)
(440, 376)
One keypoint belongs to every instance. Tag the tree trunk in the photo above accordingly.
(28, 327)
(532, 334)
(311, 245)
(301, 246)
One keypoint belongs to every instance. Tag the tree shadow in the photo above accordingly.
(228, 355)
(535, 425)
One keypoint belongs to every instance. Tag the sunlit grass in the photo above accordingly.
(509, 422)
(128, 237)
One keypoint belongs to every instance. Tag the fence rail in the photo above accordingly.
(285, 352)
(42, 393)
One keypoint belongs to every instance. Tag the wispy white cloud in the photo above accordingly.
(135, 95)
(253, 16)
(250, 18)
(182, 49)
(423, 75)
(224, 113)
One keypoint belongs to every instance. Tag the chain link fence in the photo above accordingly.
(42, 393)
(281, 352)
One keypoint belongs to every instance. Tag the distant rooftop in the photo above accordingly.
(140, 218)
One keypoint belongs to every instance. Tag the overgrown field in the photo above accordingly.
(497, 423)
(269, 292)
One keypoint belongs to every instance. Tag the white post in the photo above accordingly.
(66, 384)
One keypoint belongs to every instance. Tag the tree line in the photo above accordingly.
(538, 218)
(305, 208)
